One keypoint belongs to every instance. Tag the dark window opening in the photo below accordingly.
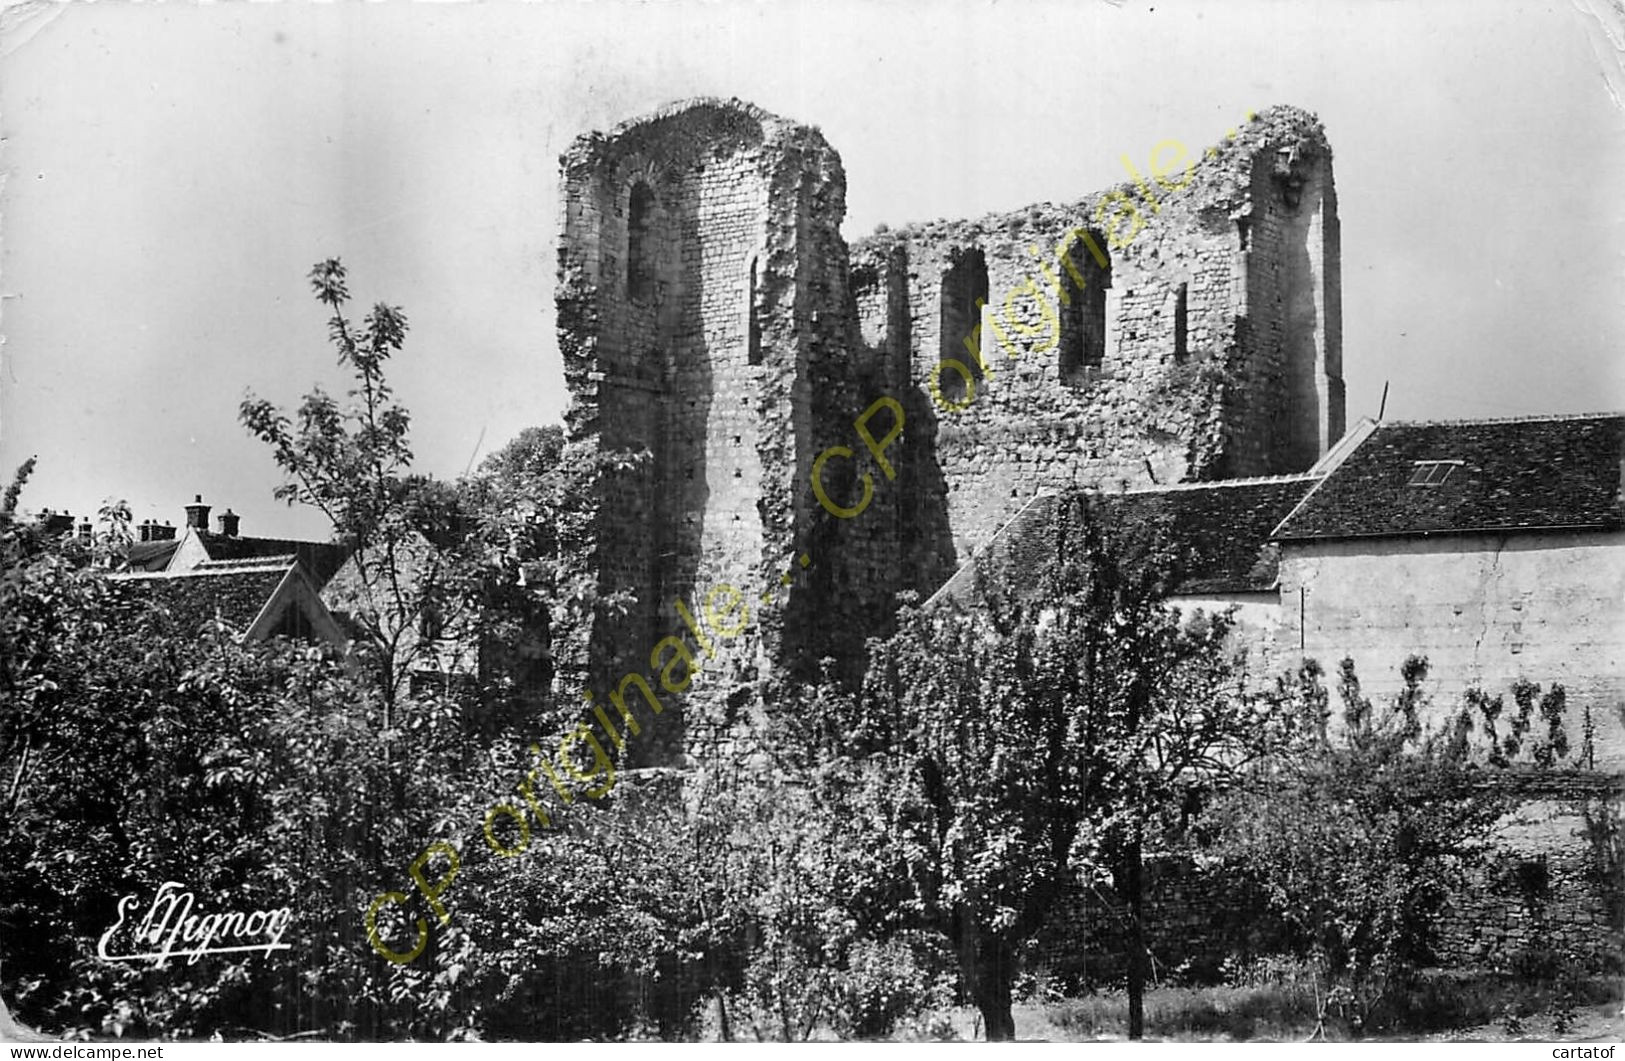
(1086, 276)
(1181, 324)
(294, 625)
(964, 290)
(640, 244)
(753, 321)
(431, 623)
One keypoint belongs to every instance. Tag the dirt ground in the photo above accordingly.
(1601, 1023)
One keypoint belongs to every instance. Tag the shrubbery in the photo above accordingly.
(1362, 830)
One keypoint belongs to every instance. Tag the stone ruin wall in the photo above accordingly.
(1219, 341)
(711, 312)
(701, 318)
(1549, 892)
(1552, 888)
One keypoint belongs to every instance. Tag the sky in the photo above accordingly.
(172, 171)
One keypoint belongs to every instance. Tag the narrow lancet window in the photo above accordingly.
(964, 290)
(1181, 324)
(640, 244)
(753, 320)
(1084, 278)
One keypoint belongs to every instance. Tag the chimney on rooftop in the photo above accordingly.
(228, 523)
(84, 530)
(144, 531)
(197, 514)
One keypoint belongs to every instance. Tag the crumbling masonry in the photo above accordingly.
(710, 311)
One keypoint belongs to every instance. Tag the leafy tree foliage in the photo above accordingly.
(1028, 739)
(351, 462)
(720, 902)
(136, 751)
(481, 571)
(1362, 829)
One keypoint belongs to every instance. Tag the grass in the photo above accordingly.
(1442, 1005)
(1236, 1014)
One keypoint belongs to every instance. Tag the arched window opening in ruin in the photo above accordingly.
(1181, 324)
(753, 320)
(1083, 311)
(640, 243)
(964, 287)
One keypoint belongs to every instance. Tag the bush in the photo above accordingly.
(886, 984)
(1360, 836)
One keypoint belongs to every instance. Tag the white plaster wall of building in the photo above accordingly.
(1486, 610)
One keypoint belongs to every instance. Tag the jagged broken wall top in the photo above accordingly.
(1214, 353)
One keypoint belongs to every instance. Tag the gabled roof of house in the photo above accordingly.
(1462, 476)
(150, 556)
(260, 597)
(1222, 529)
(235, 592)
(320, 559)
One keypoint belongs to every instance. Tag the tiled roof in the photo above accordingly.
(321, 559)
(1222, 530)
(1019, 545)
(1524, 474)
(150, 556)
(235, 593)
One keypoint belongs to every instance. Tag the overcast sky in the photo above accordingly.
(172, 172)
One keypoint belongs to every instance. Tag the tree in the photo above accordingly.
(135, 750)
(351, 463)
(525, 552)
(490, 563)
(50, 616)
(1361, 829)
(1022, 733)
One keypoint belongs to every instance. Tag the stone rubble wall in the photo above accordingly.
(1549, 897)
(1257, 390)
(731, 363)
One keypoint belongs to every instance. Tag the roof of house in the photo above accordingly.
(1443, 477)
(320, 559)
(235, 592)
(260, 597)
(1222, 530)
(1223, 527)
(150, 556)
(1018, 545)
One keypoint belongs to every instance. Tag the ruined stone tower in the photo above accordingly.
(1183, 326)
